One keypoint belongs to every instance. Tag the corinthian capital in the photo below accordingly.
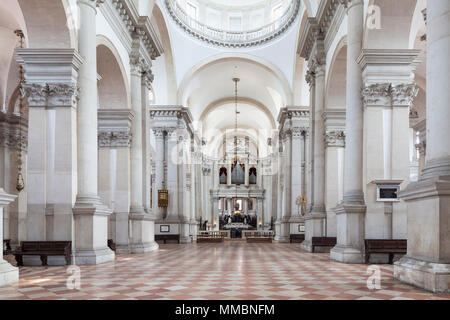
(404, 94)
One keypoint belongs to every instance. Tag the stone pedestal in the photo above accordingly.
(142, 233)
(8, 273)
(427, 263)
(314, 225)
(91, 232)
(350, 234)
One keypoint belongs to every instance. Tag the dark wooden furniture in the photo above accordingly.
(43, 249)
(210, 237)
(297, 238)
(386, 246)
(259, 236)
(6, 246)
(323, 242)
(167, 237)
(112, 245)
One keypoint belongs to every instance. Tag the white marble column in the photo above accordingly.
(351, 212)
(90, 215)
(287, 192)
(427, 262)
(159, 170)
(280, 178)
(193, 219)
(142, 237)
(314, 220)
(229, 209)
(8, 273)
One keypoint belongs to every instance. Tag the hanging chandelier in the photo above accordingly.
(20, 182)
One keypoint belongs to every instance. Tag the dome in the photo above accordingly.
(234, 23)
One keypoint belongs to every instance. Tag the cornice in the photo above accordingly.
(326, 22)
(126, 12)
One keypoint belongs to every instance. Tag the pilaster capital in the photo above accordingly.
(114, 139)
(334, 138)
(387, 94)
(158, 133)
(297, 132)
(36, 94)
(51, 94)
(404, 94)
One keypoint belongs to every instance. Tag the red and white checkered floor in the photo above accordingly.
(225, 271)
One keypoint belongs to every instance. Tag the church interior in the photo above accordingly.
(292, 149)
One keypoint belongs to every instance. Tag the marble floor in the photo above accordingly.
(227, 271)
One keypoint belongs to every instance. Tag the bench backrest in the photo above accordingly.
(324, 241)
(62, 246)
(372, 244)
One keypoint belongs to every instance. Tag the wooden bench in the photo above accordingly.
(43, 249)
(210, 237)
(259, 236)
(323, 242)
(6, 247)
(385, 246)
(296, 238)
(112, 245)
(167, 237)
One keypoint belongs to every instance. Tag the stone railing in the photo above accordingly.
(233, 38)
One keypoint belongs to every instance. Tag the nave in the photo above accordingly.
(233, 270)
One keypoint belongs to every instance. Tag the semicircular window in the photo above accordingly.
(234, 23)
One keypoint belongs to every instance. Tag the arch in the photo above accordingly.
(171, 82)
(49, 23)
(251, 101)
(113, 88)
(335, 92)
(396, 17)
(266, 65)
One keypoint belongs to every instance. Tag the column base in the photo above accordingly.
(144, 247)
(314, 228)
(185, 232)
(91, 219)
(87, 257)
(8, 274)
(434, 277)
(285, 231)
(347, 254)
(123, 249)
(350, 233)
(143, 232)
